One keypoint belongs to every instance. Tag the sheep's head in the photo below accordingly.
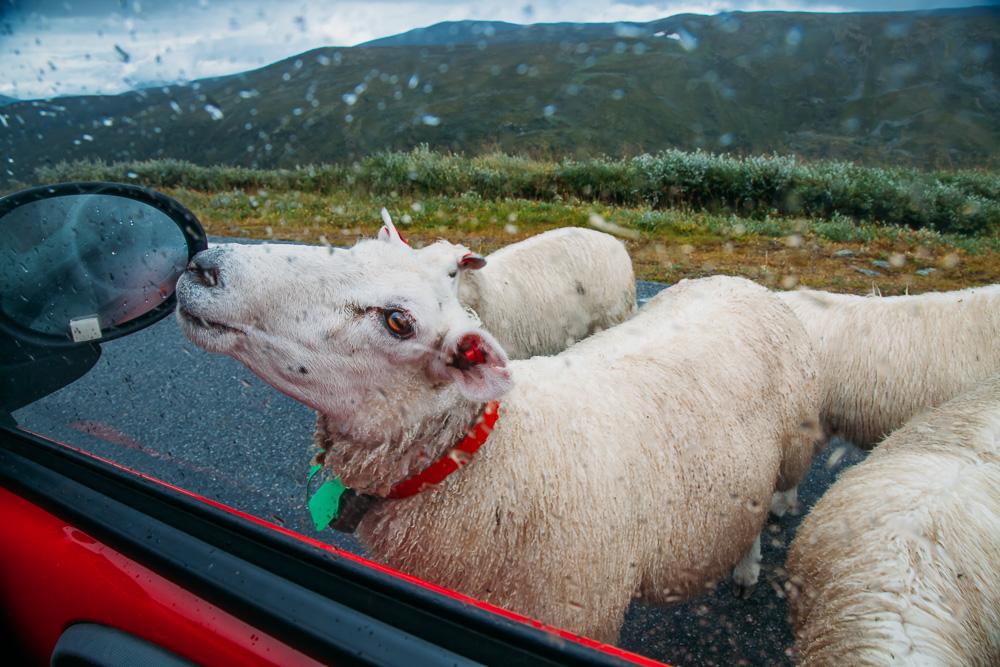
(378, 324)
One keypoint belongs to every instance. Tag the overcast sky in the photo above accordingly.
(60, 47)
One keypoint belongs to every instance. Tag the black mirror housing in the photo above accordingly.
(72, 257)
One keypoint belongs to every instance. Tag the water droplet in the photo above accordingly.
(598, 222)
(835, 456)
(789, 281)
(950, 261)
(214, 111)
(459, 457)
(687, 41)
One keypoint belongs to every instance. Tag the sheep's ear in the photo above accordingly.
(471, 261)
(389, 231)
(474, 360)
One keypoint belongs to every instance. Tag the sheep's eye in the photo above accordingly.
(398, 323)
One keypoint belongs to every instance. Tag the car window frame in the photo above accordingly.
(171, 530)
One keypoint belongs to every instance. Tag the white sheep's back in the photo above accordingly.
(884, 359)
(645, 456)
(899, 560)
(541, 295)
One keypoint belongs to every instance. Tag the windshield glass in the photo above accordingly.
(848, 151)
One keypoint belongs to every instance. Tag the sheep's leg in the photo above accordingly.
(747, 571)
(783, 501)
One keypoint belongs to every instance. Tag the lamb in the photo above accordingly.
(540, 295)
(899, 562)
(884, 359)
(636, 463)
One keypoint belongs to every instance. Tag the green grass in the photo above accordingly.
(776, 220)
(758, 188)
(298, 214)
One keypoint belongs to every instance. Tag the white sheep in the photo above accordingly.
(899, 562)
(637, 463)
(884, 359)
(542, 294)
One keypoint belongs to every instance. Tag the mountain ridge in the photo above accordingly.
(472, 30)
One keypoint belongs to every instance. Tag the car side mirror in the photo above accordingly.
(81, 264)
(89, 262)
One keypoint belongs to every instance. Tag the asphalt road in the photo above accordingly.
(156, 403)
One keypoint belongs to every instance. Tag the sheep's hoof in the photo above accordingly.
(743, 592)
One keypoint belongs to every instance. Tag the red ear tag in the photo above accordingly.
(474, 353)
(471, 261)
(401, 237)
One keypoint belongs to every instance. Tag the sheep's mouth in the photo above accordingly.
(199, 322)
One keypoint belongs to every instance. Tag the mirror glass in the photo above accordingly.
(79, 264)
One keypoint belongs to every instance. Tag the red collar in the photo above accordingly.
(454, 458)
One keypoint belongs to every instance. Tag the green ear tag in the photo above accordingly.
(325, 503)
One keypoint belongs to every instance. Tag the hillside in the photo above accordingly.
(893, 88)
(453, 33)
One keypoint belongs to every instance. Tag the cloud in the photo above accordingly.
(51, 47)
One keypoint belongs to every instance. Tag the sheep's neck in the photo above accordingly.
(374, 462)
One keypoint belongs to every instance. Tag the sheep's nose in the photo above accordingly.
(206, 267)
